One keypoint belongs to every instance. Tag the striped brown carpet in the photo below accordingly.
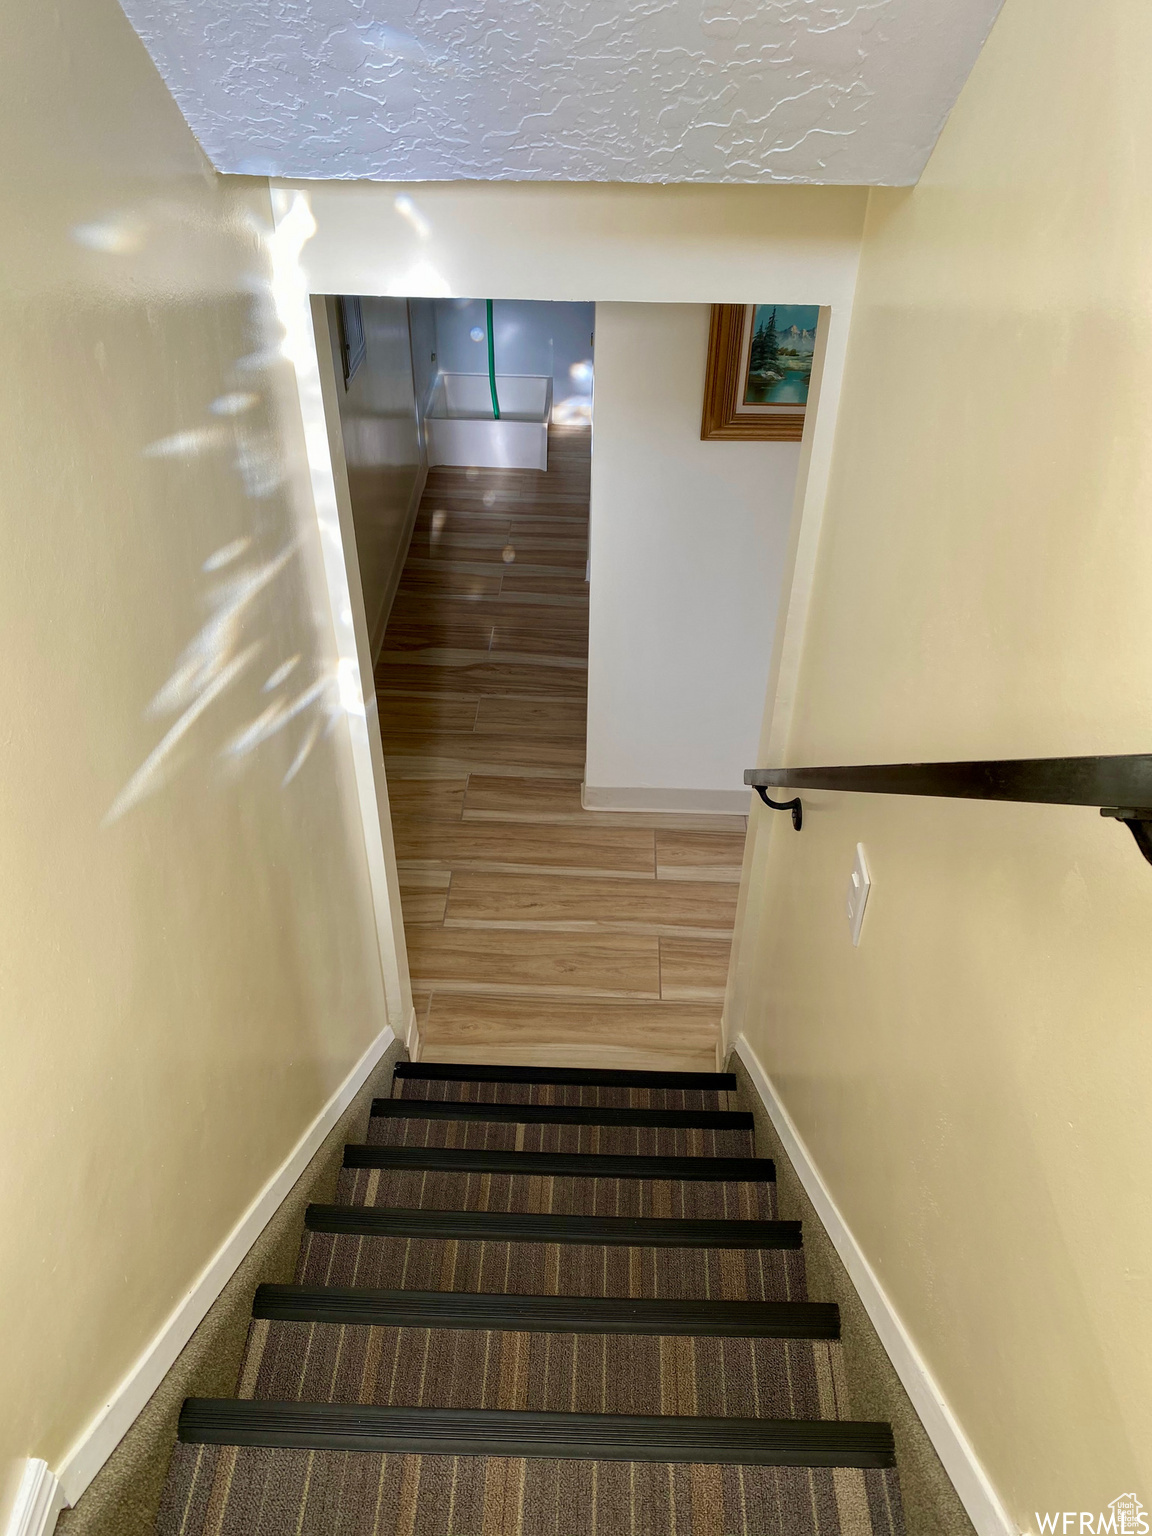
(626, 1140)
(544, 1372)
(552, 1269)
(605, 1096)
(231, 1491)
(656, 1321)
(563, 1196)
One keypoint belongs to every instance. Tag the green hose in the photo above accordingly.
(492, 365)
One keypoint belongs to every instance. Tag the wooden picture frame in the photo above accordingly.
(725, 415)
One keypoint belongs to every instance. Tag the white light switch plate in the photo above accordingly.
(858, 888)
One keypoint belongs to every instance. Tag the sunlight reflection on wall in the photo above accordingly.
(422, 280)
(251, 423)
(575, 410)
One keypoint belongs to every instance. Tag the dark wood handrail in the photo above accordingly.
(1121, 785)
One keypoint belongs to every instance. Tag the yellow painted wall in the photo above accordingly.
(189, 964)
(974, 1080)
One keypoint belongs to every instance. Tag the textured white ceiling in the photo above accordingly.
(570, 90)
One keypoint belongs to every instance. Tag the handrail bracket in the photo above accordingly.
(1138, 821)
(789, 805)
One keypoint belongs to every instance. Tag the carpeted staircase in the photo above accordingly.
(546, 1303)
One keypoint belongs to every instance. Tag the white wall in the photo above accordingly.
(381, 428)
(530, 338)
(689, 540)
(422, 334)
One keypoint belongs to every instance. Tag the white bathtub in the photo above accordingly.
(460, 429)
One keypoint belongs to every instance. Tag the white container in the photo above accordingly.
(460, 429)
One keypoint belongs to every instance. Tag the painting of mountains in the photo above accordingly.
(780, 354)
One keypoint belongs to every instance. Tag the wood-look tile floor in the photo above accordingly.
(537, 932)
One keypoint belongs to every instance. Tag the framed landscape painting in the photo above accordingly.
(758, 371)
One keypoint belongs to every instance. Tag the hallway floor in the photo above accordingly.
(537, 932)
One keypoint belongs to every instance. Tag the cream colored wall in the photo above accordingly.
(383, 451)
(688, 547)
(686, 244)
(190, 963)
(973, 1081)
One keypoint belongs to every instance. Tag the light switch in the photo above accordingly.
(859, 886)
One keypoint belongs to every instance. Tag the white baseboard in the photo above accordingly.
(39, 1499)
(971, 1482)
(107, 1428)
(693, 802)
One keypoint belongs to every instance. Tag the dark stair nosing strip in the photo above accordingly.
(580, 1165)
(521, 1227)
(546, 1314)
(575, 1077)
(562, 1114)
(506, 1432)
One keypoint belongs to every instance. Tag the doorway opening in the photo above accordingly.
(460, 383)
(561, 900)
(504, 372)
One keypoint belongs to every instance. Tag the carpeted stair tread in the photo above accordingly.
(508, 1133)
(561, 1128)
(510, 1432)
(551, 1269)
(451, 1189)
(585, 1077)
(249, 1491)
(596, 1231)
(603, 1095)
(580, 1165)
(547, 1314)
(563, 1114)
(545, 1372)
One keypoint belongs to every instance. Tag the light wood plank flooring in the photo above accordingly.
(538, 932)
